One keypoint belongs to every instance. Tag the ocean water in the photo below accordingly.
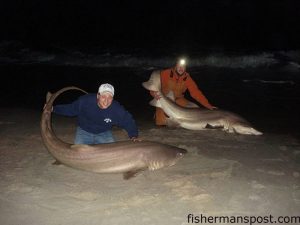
(262, 86)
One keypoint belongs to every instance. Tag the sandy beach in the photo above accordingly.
(222, 175)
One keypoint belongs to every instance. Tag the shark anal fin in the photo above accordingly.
(132, 173)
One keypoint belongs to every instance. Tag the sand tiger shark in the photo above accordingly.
(127, 157)
(196, 118)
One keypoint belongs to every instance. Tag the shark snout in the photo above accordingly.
(240, 129)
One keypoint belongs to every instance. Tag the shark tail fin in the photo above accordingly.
(149, 86)
(48, 96)
(153, 84)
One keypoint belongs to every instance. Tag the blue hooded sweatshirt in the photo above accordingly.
(95, 120)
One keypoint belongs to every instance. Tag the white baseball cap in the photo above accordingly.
(106, 88)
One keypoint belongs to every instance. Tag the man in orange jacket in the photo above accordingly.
(177, 80)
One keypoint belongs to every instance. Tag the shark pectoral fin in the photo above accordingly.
(56, 162)
(132, 173)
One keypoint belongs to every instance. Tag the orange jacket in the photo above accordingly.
(171, 81)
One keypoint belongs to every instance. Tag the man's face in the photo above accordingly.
(180, 69)
(104, 100)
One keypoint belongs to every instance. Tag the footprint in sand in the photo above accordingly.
(271, 172)
(296, 196)
(256, 185)
(186, 190)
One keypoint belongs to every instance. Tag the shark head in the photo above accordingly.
(167, 158)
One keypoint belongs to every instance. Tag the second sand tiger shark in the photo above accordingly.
(196, 118)
(127, 157)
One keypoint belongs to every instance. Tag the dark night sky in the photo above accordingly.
(215, 23)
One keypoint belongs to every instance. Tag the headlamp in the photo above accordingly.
(182, 62)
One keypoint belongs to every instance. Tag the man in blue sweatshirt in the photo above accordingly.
(96, 114)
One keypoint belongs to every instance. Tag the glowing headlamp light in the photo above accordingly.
(182, 62)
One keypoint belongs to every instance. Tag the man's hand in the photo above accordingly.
(156, 95)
